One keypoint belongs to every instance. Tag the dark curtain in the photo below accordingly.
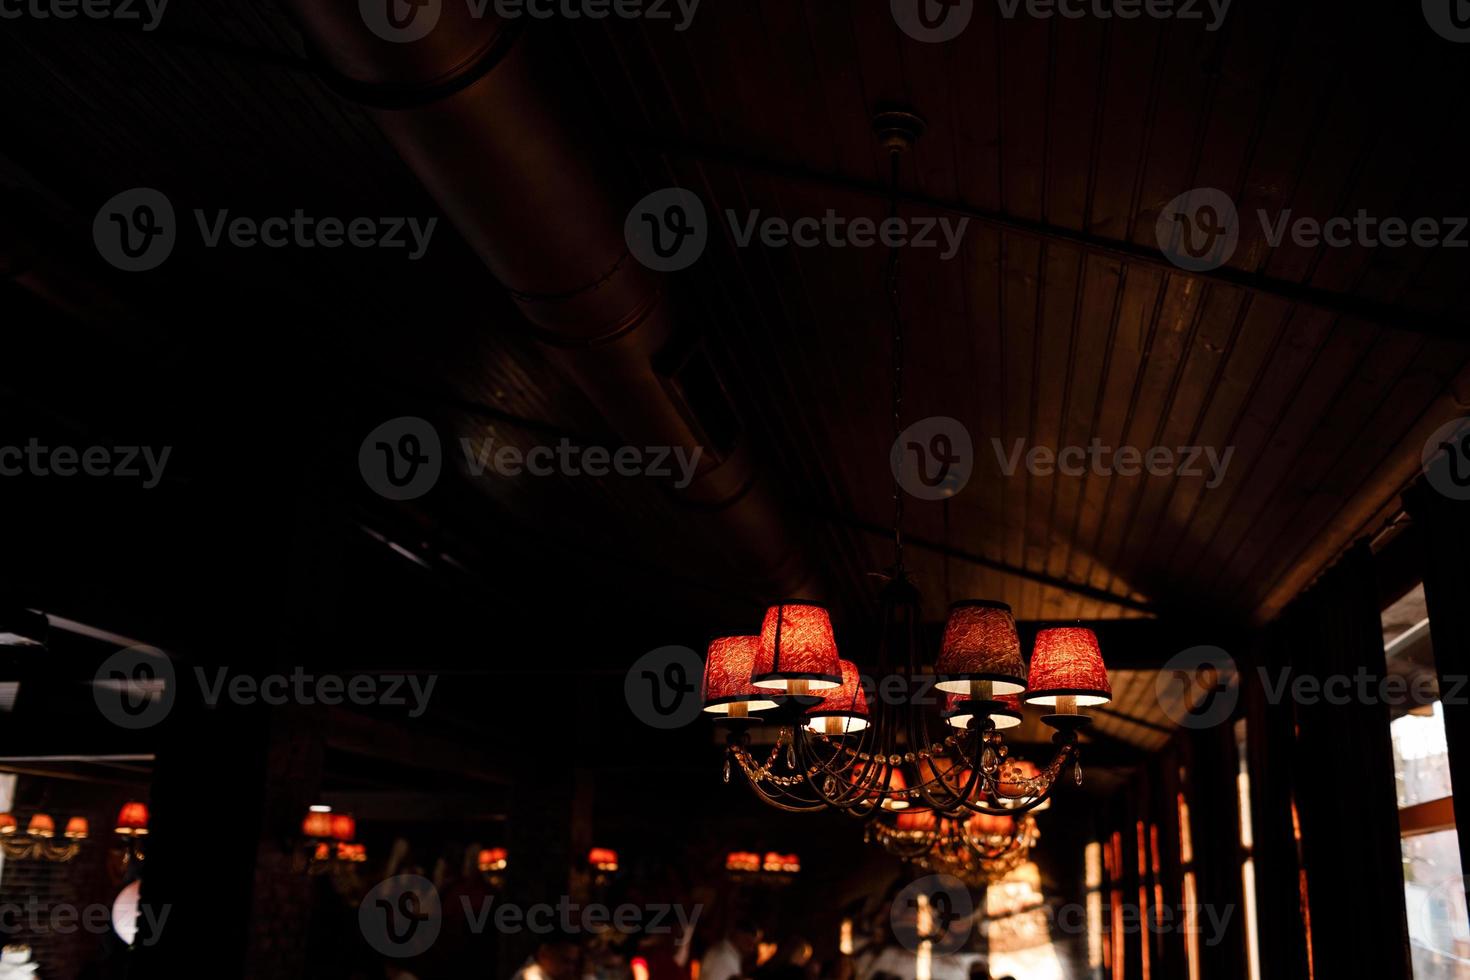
(1344, 778)
(1442, 527)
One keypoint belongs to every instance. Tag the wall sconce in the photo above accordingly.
(772, 863)
(786, 864)
(603, 859)
(492, 859)
(328, 840)
(132, 827)
(39, 840)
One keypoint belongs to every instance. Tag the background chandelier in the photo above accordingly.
(39, 841)
(839, 745)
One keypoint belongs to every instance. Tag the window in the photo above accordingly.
(1094, 872)
(1191, 888)
(1434, 892)
(1247, 851)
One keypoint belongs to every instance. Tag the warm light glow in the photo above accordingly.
(76, 828)
(959, 709)
(639, 966)
(492, 859)
(318, 824)
(41, 825)
(844, 710)
(844, 938)
(603, 859)
(7, 824)
(1247, 842)
(924, 926)
(1191, 924)
(343, 827)
(781, 863)
(743, 861)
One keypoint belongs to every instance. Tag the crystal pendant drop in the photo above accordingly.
(1077, 772)
(830, 785)
(791, 756)
(727, 768)
(988, 759)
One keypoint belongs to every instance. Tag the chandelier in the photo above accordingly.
(39, 841)
(866, 749)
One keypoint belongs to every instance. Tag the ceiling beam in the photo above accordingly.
(1077, 588)
(1385, 315)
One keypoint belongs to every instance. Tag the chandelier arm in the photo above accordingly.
(1029, 802)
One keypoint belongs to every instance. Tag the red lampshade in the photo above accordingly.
(745, 861)
(493, 859)
(807, 650)
(318, 824)
(132, 819)
(1012, 771)
(989, 825)
(76, 828)
(1066, 661)
(603, 858)
(916, 821)
(344, 826)
(846, 707)
(872, 785)
(7, 823)
(960, 708)
(980, 645)
(41, 825)
(727, 669)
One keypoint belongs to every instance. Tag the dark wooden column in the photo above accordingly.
(1344, 777)
(1442, 527)
(1213, 811)
(1172, 961)
(1271, 729)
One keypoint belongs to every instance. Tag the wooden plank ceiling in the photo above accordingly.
(1056, 324)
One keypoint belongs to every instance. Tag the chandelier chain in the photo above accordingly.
(896, 318)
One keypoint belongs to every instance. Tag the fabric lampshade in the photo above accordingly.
(343, 826)
(76, 828)
(847, 705)
(41, 825)
(133, 818)
(807, 648)
(727, 669)
(980, 644)
(1067, 662)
